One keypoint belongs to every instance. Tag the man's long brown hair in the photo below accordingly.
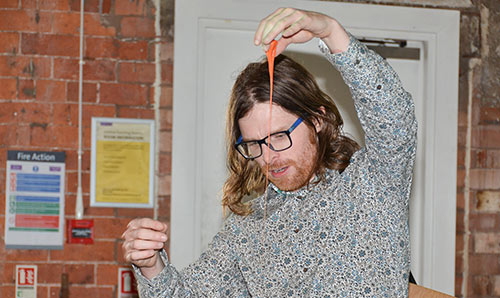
(295, 90)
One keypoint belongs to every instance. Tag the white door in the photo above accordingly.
(214, 42)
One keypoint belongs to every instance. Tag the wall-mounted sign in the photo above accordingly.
(34, 217)
(26, 276)
(122, 163)
(127, 287)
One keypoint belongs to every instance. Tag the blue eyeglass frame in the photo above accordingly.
(263, 141)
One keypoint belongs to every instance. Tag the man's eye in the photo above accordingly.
(278, 136)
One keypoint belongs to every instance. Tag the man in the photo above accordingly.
(334, 220)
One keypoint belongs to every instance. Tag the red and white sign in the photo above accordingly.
(26, 276)
(127, 286)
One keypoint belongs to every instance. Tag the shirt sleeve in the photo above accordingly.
(215, 274)
(384, 108)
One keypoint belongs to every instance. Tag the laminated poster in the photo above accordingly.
(122, 162)
(34, 206)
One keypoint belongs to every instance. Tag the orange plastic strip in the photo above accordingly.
(271, 53)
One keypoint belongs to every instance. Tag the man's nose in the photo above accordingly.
(268, 154)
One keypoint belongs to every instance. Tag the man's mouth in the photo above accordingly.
(279, 172)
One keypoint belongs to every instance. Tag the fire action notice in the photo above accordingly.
(34, 200)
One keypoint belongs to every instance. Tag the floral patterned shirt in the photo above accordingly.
(346, 236)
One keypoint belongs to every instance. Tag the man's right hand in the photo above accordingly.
(144, 238)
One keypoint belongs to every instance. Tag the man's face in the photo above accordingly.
(289, 169)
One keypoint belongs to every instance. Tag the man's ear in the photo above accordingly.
(318, 122)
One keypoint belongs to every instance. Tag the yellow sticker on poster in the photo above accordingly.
(122, 162)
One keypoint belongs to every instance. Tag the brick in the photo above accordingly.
(164, 208)
(486, 158)
(496, 285)
(133, 50)
(484, 264)
(460, 177)
(22, 112)
(110, 228)
(489, 115)
(48, 90)
(164, 187)
(484, 222)
(487, 243)
(137, 113)
(14, 135)
(9, 88)
(127, 7)
(25, 21)
(72, 182)
(7, 291)
(90, 111)
(101, 47)
(88, 6)
(72, 160)
(24, 255)
(481, 285)
(10, 42)
(134, 212)
(137, 27)
(165, 163)
(26, 89)
(59, 137)
(165, 141)
(66, 68)
(69, 23)
(107, 274)
(99, 70)
(53, 4)
(166, 97)
(123, 94)
(167, 73)
(22, 66)
(83, 291)
(89, 92)
(65, 114)
(50, 44)
(167, 52)
(80, 273)
(31, 4)
(486, 137)
(488, 201)
(166, 119)
(49, 273)
(100, 251)
(98, 25)
(137, 72)
(485, 179)
(9, 4)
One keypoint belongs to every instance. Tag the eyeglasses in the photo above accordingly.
(280, 141)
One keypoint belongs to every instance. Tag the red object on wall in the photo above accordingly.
(80, 231)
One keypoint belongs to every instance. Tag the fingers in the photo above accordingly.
(273, 25)
(147, 223)
(143, 238)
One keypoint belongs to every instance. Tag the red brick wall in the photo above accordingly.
(38, 111)
(39, 50)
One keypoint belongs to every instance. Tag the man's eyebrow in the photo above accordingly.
(255, 140)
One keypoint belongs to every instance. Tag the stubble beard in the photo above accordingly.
(304, 168)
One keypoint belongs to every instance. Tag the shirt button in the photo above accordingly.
(379, 87)
(296, 230)
(305, 269)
